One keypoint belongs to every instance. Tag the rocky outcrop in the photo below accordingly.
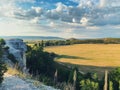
(18, 48)
(15, 83)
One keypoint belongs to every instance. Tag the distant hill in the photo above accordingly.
(32, 37)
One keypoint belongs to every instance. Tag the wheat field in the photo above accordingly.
(89, 57)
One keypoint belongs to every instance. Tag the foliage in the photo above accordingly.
(78, 77)
(79, 41)
(2, 42)
(40, 62)
(45, 79)
(115, 78)
(2, 65)
(89, 85)
(29, 48)
(2, 70)
(115, 75)
(12, 58)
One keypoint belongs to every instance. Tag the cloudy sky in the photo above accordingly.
(62, 18)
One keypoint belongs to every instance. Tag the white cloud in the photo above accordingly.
(30, 1)
(84, 21)
(35, 20)
(37, 9)
(60, 7)
(103, 3)
(92, 28)
(89, 17)
(88, 13)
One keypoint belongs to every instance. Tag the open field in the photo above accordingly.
(89, 57)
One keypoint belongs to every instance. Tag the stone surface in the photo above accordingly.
(18, 48)
(15, 83)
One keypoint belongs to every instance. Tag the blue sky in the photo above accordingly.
(62, 18)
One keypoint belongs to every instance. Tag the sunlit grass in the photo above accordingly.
(31, 45)
(89, 54)
(14, 72)
(90, 57)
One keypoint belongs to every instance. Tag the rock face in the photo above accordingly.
(18, 48)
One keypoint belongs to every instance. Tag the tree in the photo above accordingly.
(89, 85)
(2, 70)
(2, 65)
(12, 58)
(40, 62)
(115, 78)
(75, 77)
(2, 42)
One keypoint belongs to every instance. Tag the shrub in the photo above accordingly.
(3, 69)
(12, 58)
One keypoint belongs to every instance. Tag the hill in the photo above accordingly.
(32, 37)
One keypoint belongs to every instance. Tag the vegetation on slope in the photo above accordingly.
(2, 65)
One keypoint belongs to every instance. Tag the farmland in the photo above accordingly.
(88, 57)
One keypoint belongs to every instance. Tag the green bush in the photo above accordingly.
(12, 58)
(89, 85)
(2, 70)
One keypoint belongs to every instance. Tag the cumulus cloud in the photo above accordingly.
(63, 18)
(109, 3)
(88, 12)
(96, 13)
(29, 14)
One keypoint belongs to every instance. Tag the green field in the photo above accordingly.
(88, 57)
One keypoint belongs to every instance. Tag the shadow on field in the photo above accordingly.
(88, 68)
(71, 57)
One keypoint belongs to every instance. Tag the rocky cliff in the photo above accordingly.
(18, 48)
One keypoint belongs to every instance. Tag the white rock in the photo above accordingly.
(18, 48)
(15, 83)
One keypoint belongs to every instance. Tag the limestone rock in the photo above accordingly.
(18, 48)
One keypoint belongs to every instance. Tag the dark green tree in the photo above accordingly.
(2, 70)
(115, 78)
(2, 42)
(40, 62)
(2, 65)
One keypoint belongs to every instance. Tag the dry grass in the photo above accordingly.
(89, 56)
(14, 71)
(30, 44)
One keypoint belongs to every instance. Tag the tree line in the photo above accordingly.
(78, 41)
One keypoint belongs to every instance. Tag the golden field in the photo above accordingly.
(88, 57)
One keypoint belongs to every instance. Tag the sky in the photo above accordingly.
(61, 18)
